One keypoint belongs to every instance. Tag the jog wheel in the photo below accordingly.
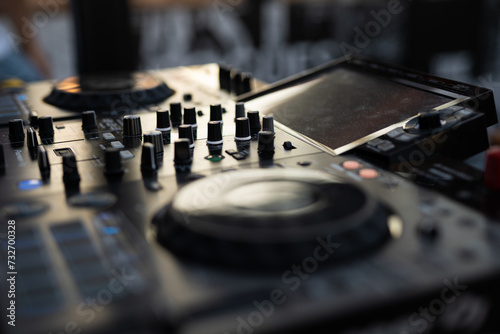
(270, 218)
(108, 92)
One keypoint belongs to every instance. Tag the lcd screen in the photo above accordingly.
(342, 106)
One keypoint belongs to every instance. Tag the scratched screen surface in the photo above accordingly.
(345, 105)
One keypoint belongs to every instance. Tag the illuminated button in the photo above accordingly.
(29, 184)
(368, 174)
(406, 138)
(351, 165)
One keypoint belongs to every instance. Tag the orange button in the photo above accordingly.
(368, 173)
(351, 165)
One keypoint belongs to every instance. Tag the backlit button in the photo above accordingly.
(368, 173)
(29, 184)
(406, 138)
(126, 154)
(351, 165)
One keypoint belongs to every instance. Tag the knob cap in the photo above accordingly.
(34, 119)
(71, 177)
(214, 133)
(43, 162)
(163, 125)
(32, 139)
(186, 131)
(492, 169)
(182, 156)
(190, 118)
(216, 112)
(155, 138)
(236, 82)
(255, 125)
(176, 114)
(113, 162)
(266, 144)
(242, 130)
(132, 126)
(240, 110)
(429, 120)
(148, 159)
(268, 124)
(89, 121)
(16, 130)
(46, 127)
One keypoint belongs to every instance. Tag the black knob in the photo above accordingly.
(132, 126)
(225, 78)
(43, 163)
(254, 118)
(113, 162)
(155, 138)
(216, 112)
(163, 125)
(214, 139)
(186, 131)
(240, 110)
(190, 118)
(16, 130)
(268, 123)
(182, 156)
(242, 137)
(46, 127)
(89, 121)
(176, 114)
(266, 144)
(429, 120)
(32, 139)
(148, 159)
(71, 177)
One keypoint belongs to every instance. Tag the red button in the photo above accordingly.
(368, 174)
(351, 165)
(492, 169)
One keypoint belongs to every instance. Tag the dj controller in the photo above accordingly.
(201, 203)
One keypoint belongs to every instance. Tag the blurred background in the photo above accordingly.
(273, 39)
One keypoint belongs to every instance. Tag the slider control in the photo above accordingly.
(46, 129)
(71, 177)
(32, 139)
(16, 130)
(43, 163)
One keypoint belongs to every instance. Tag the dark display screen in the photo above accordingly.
(345, 105)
